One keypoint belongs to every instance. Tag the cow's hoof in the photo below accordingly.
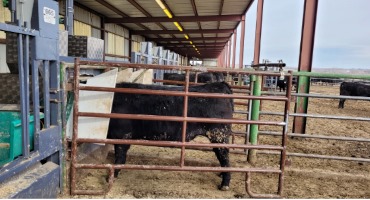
(224, 188)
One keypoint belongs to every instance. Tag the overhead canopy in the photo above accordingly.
(199, 28)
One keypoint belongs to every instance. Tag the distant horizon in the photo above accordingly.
(341, 39)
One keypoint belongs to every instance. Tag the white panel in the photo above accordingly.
(3, 66)
(96, 102)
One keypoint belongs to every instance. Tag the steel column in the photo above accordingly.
(229, 55)
(241, 56)
(242, 37)
(305, 61)
(68, 21)
(222, 58)
(256, 81)
(234, 48)
(257, 40)
(148, 19)
(226, 48)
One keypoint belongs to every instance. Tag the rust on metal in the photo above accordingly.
(234, 49)
(305, 59)
(257, 40)
(285, 132)
(185, 116)
(177, 144)
(179, 93)
(75, 126)
(176, 168)
(179, 119)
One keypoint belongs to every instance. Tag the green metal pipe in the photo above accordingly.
(256, 80)
(299, 124)
(331, 75)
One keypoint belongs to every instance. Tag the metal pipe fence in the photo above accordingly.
(319, 116)
(185, 119)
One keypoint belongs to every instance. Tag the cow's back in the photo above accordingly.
(168, 106)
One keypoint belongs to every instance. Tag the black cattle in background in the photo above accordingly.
(169, 130)
(205, 77)
(353, 89)
(281, 84)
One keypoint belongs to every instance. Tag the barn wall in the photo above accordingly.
(117, 41)
(136, 39)
(89, 24)
(4, 16)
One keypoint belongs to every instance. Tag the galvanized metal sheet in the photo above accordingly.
(208, 7)
(127, 8)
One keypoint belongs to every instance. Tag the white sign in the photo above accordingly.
(49, 15)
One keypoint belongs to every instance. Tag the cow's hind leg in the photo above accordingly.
(222, 155)
(220, 135)
(120, 153)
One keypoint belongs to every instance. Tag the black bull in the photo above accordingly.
(353, 89)
(172, 131)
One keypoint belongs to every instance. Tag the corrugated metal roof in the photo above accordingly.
(200, 19)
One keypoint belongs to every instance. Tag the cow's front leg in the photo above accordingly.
(120, 154)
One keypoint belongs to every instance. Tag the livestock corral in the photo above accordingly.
(303, 177)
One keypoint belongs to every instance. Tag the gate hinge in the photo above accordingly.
(56, 95)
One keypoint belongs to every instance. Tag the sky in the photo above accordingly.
(342, 37)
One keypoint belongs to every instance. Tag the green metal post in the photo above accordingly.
(301, 105)
(256, 80)
(332, 75)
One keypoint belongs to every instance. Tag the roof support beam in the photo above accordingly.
(182, 32)
(146, 13)
(220, 13)
(234, 49)
(114, 9)
(194, 43)
(210, 48)
(196, 13)
(198, 46)
(174, 19)
(184, 39)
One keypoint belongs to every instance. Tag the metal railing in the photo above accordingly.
(184, 119)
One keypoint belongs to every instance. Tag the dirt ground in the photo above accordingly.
(303, 177)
